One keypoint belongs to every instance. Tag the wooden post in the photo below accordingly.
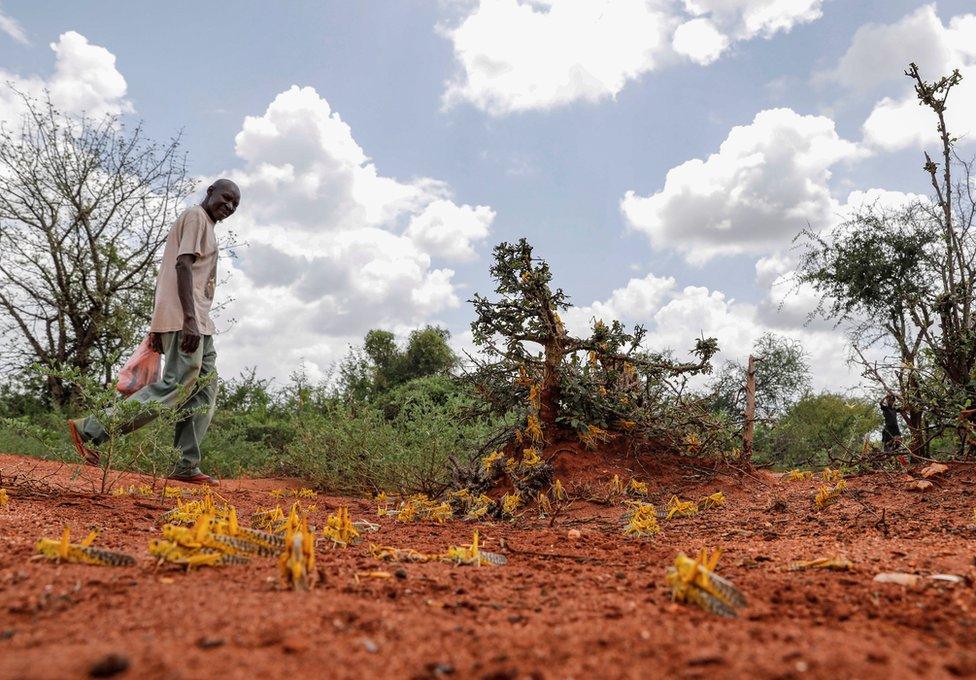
(748, 430)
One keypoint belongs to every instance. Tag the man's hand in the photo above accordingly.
(156, 342)
(190, 336)
(184, 286)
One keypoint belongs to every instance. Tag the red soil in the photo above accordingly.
(596, 606)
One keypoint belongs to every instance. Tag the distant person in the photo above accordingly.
(891, 433)
(182, 331)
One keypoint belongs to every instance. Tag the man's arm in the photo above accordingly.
(184, 287)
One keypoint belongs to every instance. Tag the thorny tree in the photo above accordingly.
(903, 280)
(84, 207)
(530, 361)
(782, 378)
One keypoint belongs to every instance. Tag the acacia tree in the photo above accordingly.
(84, 208)
(530, 361)
(903, 280)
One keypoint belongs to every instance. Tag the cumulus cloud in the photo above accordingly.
(447, 230)
(519, 55)
(639, 299)
(768, 180)
(333, 246)
(877, 57)
(675, 317)
(85, 80)
(700, 41)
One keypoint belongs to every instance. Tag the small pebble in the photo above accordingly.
(370, 646)
(109, 665)
(210, 642)
(573, 534)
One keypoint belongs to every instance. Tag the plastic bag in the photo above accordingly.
(140, 370)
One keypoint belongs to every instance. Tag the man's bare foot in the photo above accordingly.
(196, 478)
(86, 454)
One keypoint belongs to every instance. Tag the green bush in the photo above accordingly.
(816, 428)
(358, 447)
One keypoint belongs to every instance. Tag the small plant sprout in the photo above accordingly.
(695, 581)
(340, 530)
(679, 508)
(304, 493)
(277, 493)
(80, 553)
(4, 498)
(798, 475)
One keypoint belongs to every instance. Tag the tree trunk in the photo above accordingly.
(549, 390)
(748, 429)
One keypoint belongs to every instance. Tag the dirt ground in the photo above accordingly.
(586, 607)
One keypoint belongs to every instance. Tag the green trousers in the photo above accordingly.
(189, 384)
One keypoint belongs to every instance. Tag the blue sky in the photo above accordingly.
(555, 169)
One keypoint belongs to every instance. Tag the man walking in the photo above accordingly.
(182, 331)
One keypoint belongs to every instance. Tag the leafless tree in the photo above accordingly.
(84, 208)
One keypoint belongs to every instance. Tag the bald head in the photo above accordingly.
(223, 197)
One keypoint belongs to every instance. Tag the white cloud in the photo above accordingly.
(520, 55)
(638, 300)
(12, 28)
(768, 181)
(517, 55)
(334, 247)
(85, 79)
(700, 41)
(447, 230)
(879, 53)
(878, 56)
(675, 318)
(745, 19)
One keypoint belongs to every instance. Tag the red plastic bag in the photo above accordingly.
(140, 370)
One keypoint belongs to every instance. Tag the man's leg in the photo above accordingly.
(198, 412)
(179, 377)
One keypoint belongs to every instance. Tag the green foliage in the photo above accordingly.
(534, 369)
(817, 430)
(380, 365)
(355, 448)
